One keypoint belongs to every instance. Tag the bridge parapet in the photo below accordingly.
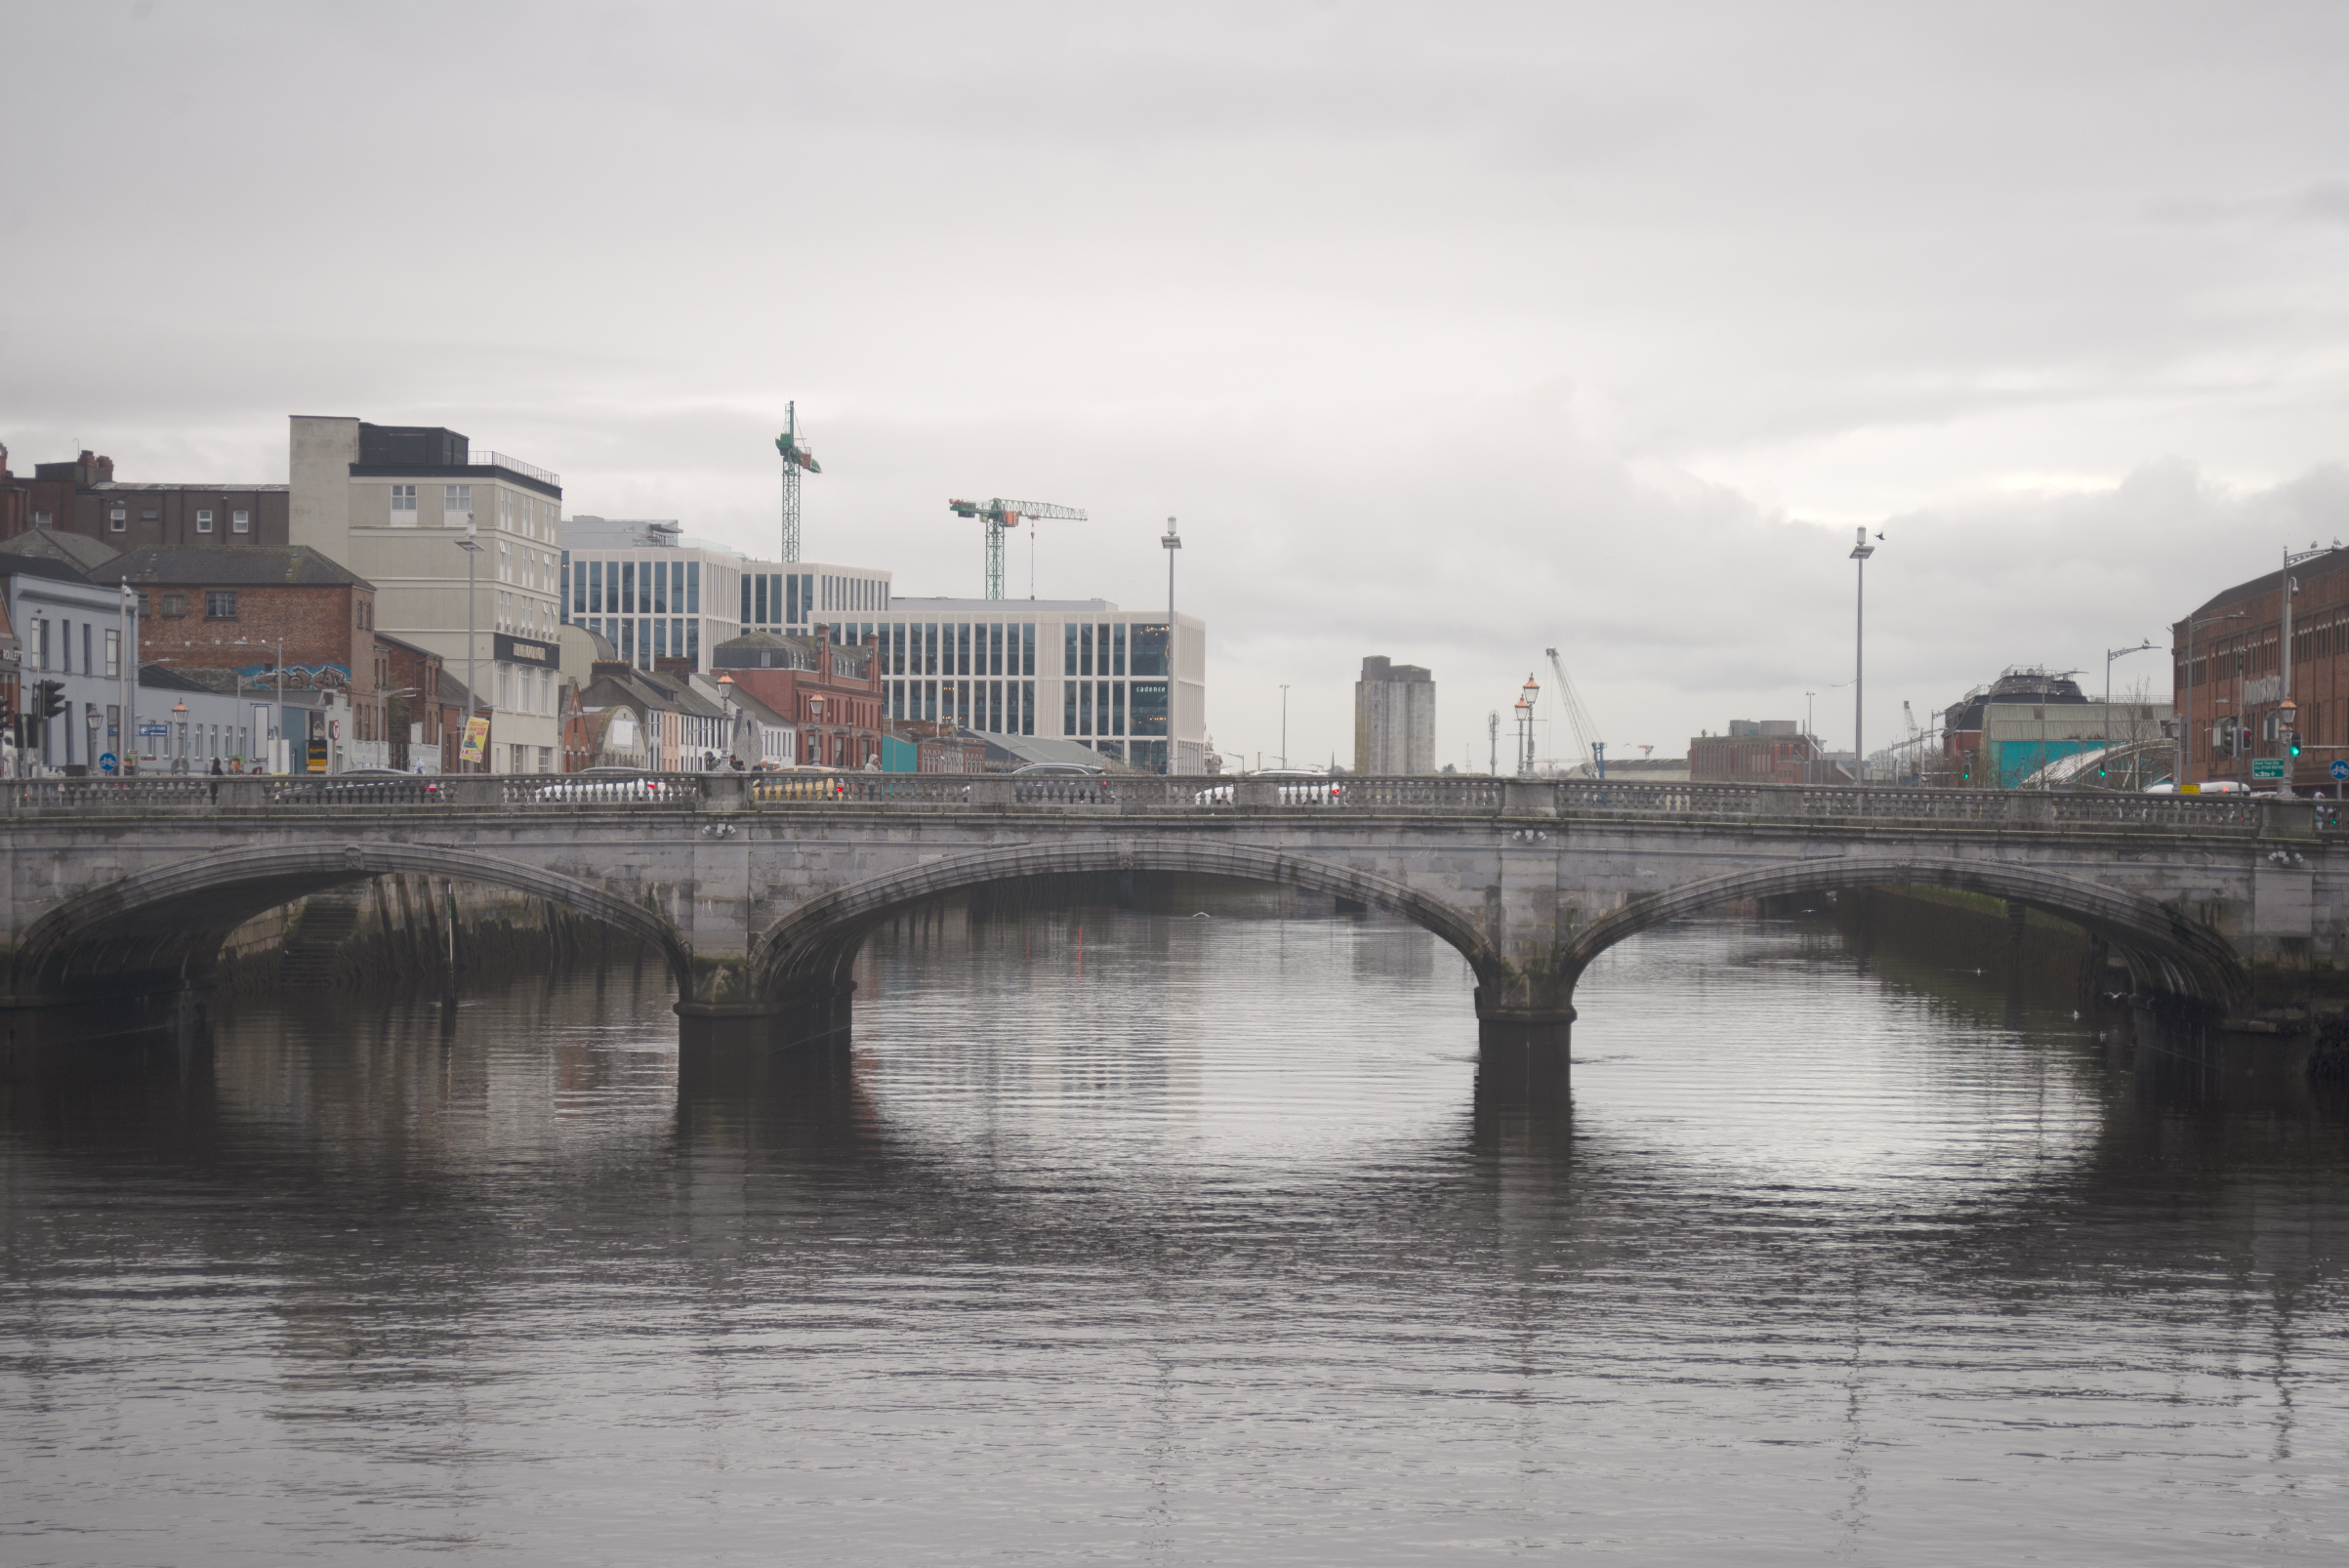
(1443, 794)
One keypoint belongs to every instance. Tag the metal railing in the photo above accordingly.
(1464, 795)
(514, 465)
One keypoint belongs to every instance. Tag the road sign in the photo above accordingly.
(2340, 770)
(155, 729)
(106, 763)
(2267, 767)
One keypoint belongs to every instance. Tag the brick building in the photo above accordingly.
(409, 678)
(224, 609)
(1767, 751)
(2231, 677)
(84, 497)
(832, 692)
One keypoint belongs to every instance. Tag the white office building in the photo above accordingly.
(398, 503)
(1079, 670)
(658, 594)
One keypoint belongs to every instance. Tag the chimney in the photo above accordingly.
(619, 668)
(104, 468)
(671, 664)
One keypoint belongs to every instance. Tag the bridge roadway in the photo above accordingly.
(758, 893)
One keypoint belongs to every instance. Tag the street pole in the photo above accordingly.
(129, 686)
(1174, 542)
(1284, 727)
(471, 544)
(2110, 654)
(1810, 741)
(1860, 551)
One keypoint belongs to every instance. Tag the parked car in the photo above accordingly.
(613, 784)
(358, 786)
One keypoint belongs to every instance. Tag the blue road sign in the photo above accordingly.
(106, 763)
(2340, 770)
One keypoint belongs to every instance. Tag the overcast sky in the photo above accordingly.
(1450, 331)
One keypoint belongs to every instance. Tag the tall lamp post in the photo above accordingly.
(1284, 724)
(1860, 551)
(2110, 654)
(1525, 726)
(1174, 542)
(470, 543)
(129, 673)
(2186, 726)
(179, 710)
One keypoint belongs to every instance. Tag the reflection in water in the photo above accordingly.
(1180, 1240)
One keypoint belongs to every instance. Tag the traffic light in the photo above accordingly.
(2293, 736)
(49, 699)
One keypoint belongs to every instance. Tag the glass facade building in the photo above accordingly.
(678, 601)
(1065, 670)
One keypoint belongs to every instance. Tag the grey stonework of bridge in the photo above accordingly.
(758, 893)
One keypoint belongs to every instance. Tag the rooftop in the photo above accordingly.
(248, 566)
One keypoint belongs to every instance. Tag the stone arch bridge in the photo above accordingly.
(758, 892)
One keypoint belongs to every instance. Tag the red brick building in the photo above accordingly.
(1768, 751)
(833, 694)
(231, 609)
(2230, 694)
(409, 678)
(84, 497)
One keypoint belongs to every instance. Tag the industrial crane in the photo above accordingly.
(999, 515)
(795, 458)
(1586, 733)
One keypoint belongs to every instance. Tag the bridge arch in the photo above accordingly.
(2166, 954)
(165, 928)
(810, 952)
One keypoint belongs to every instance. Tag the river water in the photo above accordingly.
(1121, 1237)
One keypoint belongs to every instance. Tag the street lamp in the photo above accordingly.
(1174, 542)
(179, 710)
(1860, 551)
(1525, 726)
(1284, 727)
(127, 671)
(94, 722)
(470, 543)
(2110, 654)
(2186, 726)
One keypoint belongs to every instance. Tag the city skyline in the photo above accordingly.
(1594, 330)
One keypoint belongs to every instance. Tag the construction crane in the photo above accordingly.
(1586, 733)
(999, 515)
(795, 458)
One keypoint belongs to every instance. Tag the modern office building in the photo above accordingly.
(1079, 670)
(399, 505)
(657, 594)
(1394, 718)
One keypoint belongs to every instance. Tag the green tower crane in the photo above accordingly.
(999, 515)
(795, 458)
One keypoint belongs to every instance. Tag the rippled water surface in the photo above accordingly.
(1121, 1237)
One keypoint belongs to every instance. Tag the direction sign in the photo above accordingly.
(106, 763)
(2267, 767)
(155, 729)
(2340, 770)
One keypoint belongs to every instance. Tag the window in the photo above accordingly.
(220, 604)
(240, 521)
(175, 605)
(1150, 650)
(404, 506)
(89, 665)
(114, 653)
(1116, 657)
(40, 520)
(366, 615)
(457, 506)
(148, 514)
(118, 518)
(203, 520)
